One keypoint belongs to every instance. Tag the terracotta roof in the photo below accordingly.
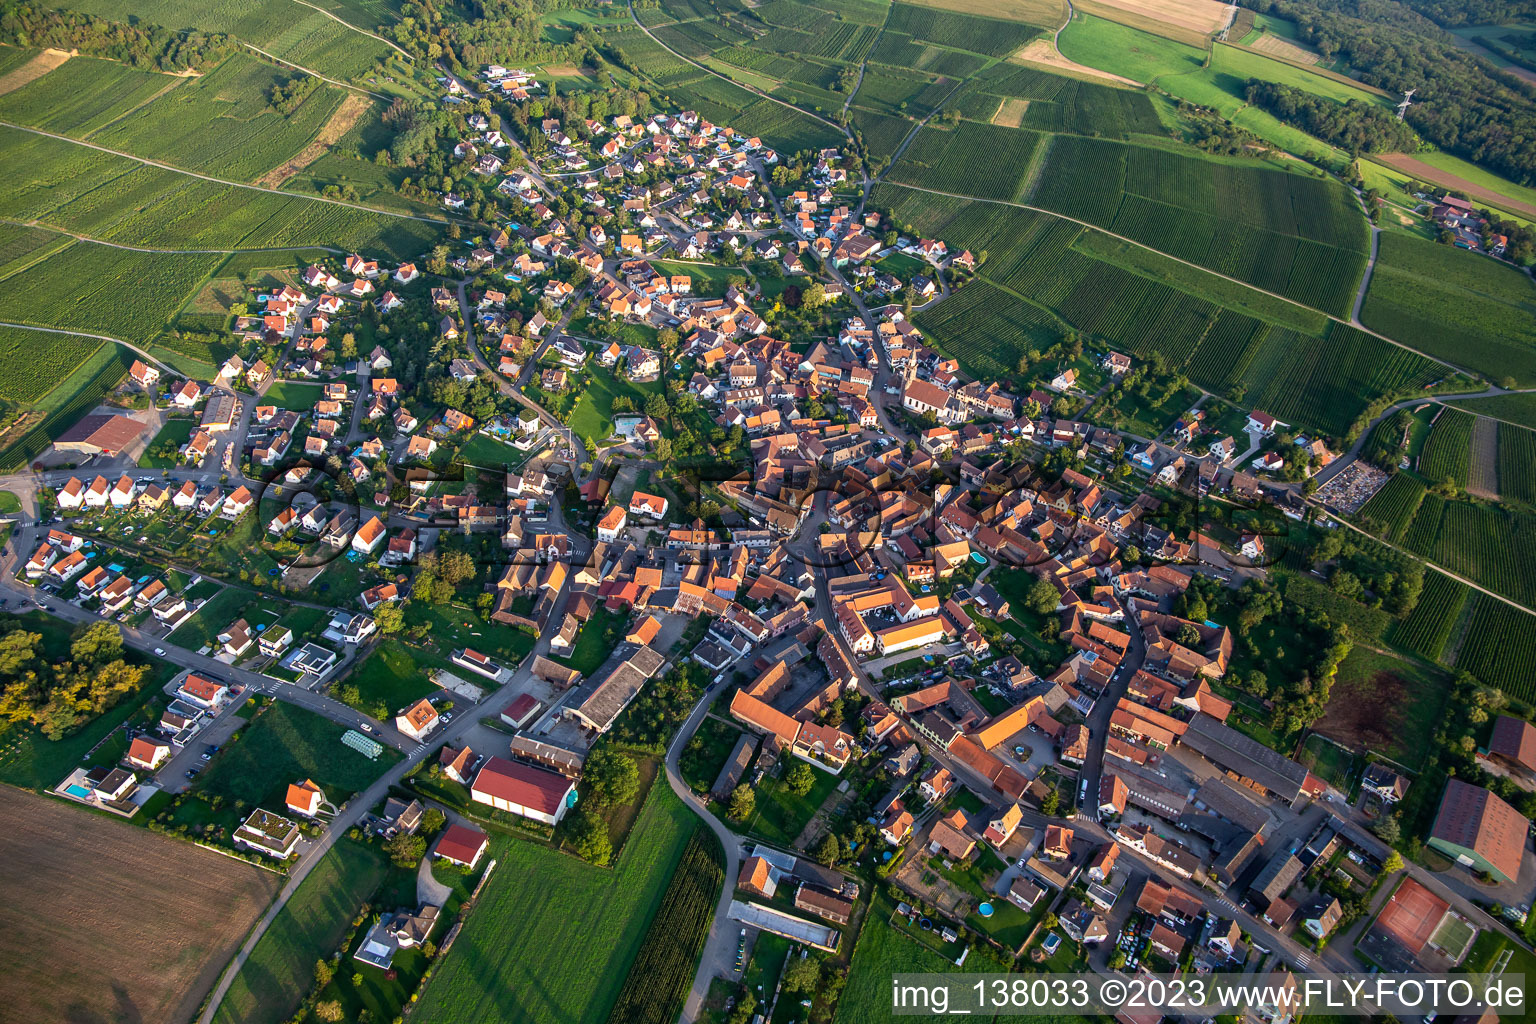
(518, 783)
(461, 843)
(1475, 819)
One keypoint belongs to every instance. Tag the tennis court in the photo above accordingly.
(1412, 915)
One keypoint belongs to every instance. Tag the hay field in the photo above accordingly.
(1188, 21)
(1285, 49)
(107, 922)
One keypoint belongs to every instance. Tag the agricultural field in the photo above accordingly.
(1459, 306)
(84, 95)
(950, 160)
(1040, 274)
(92, 288)
(1427, 628)
(1121, 50)
(32, 363)
(1045, 13)
(303, 37)
(982, 35)
(281, 967)
(1392, 508)
(1498, 647)
(659, 979)
(1448, 452)
(1520, 408)
(1489, 544)
(1056, 104)
(1517, 464)
(103, 920)
(222, 123)
(552, 938)
(113, 198)
(1286, 233)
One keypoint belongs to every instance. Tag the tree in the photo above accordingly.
(432, 821)
(1050, 804)
(1188, 635)
(390, 618)
(801, 974)
(799, 779)
(742, 804)
(96, 644)
(612, 778)
(329, 1011)
(745, 1008)
(405, 850)
(323, 973)
(589, 838)
(1394, 862)
(828, 851)
(1389, 829)
(1042, 597)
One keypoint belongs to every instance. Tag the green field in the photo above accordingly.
(281, 968)
(1519, 409)
(552, 938)
(1386, 704)
(1287, 233)
(1489, 544)
(113, 198)
(82, 96)
(1392, 508)
(301, 36)
(391, 676)
(32, 363)
(220, 123)
(287, 394)
(1128, 52)
(175, 433)
(1459, 306)
(1517, 464)
(282, 745)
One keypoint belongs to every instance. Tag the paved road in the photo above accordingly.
(1365, 280)
(719, 958)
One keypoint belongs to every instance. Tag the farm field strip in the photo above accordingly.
(1427, 628)
(1483, 472)
(1517, 463)
(100, 916)
(1499, 646)
(1447, 453)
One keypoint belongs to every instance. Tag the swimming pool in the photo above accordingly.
(77, 791)
(978, 558)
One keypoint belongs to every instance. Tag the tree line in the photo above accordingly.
(1356, 125)
(1462, 103)
(140, 46)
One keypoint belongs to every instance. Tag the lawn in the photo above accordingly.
(390, 677)
(598, 637)
(480, 450)
(284, 744)
(885, 950)
(709, 280)
(9, 503)
(551, 938)
(175, 433)
(592, 417)
(286, 394)
(280, 970)
(781, 815)
(203, 628)
(30, 760)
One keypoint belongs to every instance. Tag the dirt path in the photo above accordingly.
(1424, 172)
(341, 122)
(34, 69)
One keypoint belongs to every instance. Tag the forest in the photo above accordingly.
(496, 32)
(1356, 126)
(1461, 103)
(140, 46)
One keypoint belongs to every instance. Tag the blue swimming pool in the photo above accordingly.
(978, 558)
(76, 790)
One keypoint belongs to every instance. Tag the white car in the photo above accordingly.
(159, 652)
